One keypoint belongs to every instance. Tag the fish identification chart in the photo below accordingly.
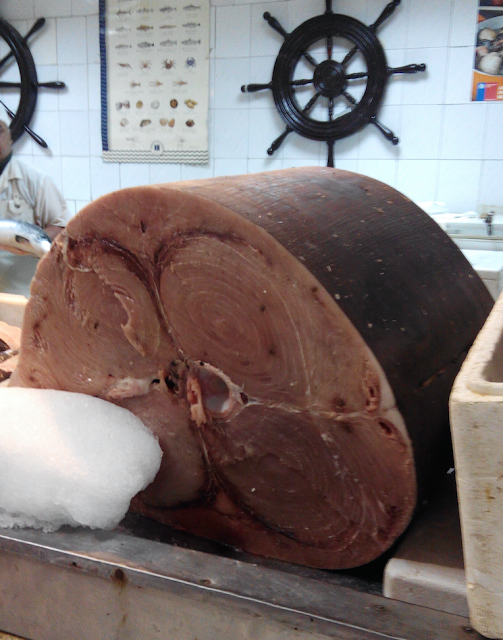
(154, 80)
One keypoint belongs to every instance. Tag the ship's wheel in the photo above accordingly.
(330, 77)
(18, 65)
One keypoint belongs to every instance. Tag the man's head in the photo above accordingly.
(5, 140)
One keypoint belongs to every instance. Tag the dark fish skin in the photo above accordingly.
(25, 236)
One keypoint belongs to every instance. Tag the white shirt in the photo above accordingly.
(46, 205)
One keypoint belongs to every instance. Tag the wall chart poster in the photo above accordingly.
(154, 80)
(487, 81)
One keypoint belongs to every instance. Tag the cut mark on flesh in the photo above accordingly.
(339, 404)
(371, 389)
(195, 399)
(211, 394)
(171, 384)
(215, 392)
(386, 427)
(143, 226)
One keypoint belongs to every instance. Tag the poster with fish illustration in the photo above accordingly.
(487, 83)
(154, 80)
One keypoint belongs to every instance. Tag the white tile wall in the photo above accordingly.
(383, 170)
(458, 182)
(76, 78)
(134, 174)
(491, 184)
(43, 45)
(427, 87)
(16, 10)
(160, 173)
(493, 140)
(463, 131)
(420, 131)
(49, 8)
(105, 177)
(417, 179)
(47, 99)
(450, 149)
(71, 40)
(74, 133)
(459, 73)
(428, 23)
(76, 177)
(48, 125)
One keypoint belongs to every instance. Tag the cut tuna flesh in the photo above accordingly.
(291, 337)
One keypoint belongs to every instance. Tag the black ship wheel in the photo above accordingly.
(331, 82)
(27, 85)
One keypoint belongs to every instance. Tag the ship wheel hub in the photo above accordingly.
(330, 78)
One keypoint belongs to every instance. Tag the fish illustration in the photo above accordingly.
(191, 7)
(144, 27)
(136, 84)
(167, 43)
(125, 65)
(179, 83)
(168, 9)
(167, 26)
(121, 30)
(24, 236)
(191, 42)
(191, 25)
(123, 12)
(155, 83)
(123, 46)
(144, 10)
(145, 45)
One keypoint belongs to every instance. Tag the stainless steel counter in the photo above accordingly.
(145, 581)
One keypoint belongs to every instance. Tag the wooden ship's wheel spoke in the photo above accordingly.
(331, 79)
(28, 84)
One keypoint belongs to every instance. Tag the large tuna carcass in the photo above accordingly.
(290, 336)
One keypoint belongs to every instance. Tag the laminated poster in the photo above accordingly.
(154, 80)
(487, 81)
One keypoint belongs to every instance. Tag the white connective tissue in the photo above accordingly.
(70, 458)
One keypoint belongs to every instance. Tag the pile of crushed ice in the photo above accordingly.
(69, 458)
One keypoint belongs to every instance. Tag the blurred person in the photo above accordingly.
(28, 195)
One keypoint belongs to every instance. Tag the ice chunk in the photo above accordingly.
(70, 458)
